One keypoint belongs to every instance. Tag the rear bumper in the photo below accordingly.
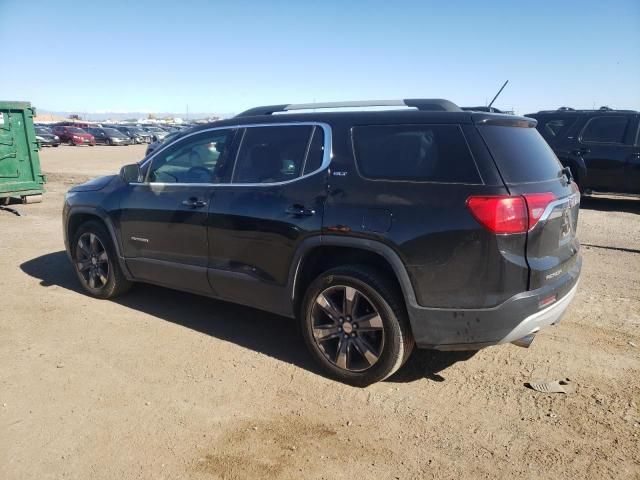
(472, 329)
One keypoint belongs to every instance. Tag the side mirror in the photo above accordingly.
(131, 173)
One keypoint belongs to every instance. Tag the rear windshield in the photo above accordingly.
(427, 153)
(521, 154)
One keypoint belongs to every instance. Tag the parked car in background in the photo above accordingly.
(136, 134)
(109, 136)
(156, 133)
(74, 135)
(153, 146)
(601, 147)
(377, 230)
(46, 137)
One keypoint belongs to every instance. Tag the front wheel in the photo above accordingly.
(355, 325)
(96, 263)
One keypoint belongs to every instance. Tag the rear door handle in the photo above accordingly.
(194, 202)
(300, 211)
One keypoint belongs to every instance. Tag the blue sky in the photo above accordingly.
(225, 56)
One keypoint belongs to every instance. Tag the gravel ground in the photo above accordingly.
(163, 384)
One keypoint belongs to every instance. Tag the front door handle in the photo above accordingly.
(194, 202)
(581, 151)
(300, 211)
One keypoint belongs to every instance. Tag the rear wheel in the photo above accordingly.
(355, 325)
(96, 263)
(70, 143)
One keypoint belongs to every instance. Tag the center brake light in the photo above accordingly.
(509, 214)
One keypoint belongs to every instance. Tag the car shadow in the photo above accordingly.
(263, 332)
(610, 204)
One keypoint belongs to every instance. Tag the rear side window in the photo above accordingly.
(272, 154)
(611, 129)
(551, 128)
(521, 154)
(427, 153)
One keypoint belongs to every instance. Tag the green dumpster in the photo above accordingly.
(20, 174)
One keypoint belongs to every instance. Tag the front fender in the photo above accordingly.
(73, 211)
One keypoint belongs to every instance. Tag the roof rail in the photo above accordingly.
(433, 104)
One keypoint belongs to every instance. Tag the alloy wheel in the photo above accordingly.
(92, 260)
(347, 328)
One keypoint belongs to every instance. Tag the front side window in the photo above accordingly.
(201, 158)
(273, 154)
(607, 129)
(426, 153)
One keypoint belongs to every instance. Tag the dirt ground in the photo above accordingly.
(162, 384)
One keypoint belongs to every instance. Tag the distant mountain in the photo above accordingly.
(98, 116)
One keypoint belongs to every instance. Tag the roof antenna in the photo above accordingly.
(499, 92)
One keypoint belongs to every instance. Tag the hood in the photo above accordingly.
(93, 184)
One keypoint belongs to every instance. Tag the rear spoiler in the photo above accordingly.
(479, 118)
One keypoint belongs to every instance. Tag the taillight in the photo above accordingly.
(537, 204)
(507, 214)
(502, 214)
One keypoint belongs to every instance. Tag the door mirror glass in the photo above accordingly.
(131, 173)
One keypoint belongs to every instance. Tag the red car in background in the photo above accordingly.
(74, 136)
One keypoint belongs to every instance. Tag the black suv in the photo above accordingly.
(377, 230)
(602, 147)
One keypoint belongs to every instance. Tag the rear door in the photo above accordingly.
(632, 168)
(274, 201)
(530, 168)
(97, 134)
(606, 146)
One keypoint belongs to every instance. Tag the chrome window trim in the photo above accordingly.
(572, 200)
(326, 159)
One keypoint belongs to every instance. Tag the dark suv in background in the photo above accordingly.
(377, 230)
(109, 136)
(602, 147)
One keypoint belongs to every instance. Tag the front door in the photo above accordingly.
(275, 200)
(163, 219)
(605, 147)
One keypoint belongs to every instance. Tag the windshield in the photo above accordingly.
(112, 132)
(170, 137)
(76, 130)
(43, 130)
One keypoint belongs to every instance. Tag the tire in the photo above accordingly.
(57, 145)
(71, 144)
(109, 281)
(376, 347)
